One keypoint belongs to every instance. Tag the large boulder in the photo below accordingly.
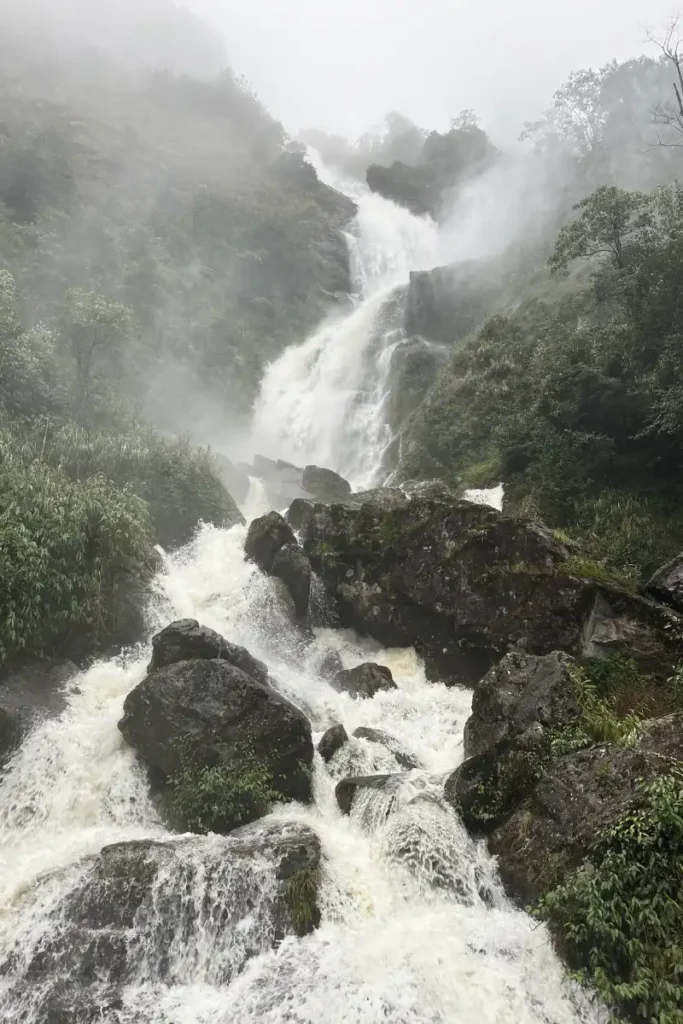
(210, 713)
(185, 639)
(364, 681)
(667, 584)
(404, 759)
(324, 484)
(293, 567)
(147, 909)
(347, 789)
(265, 537)
(517, 692)
(465, 585)
(551, 831)
(31, 690)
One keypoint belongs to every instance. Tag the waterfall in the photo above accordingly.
(415, 927)
(323, 402)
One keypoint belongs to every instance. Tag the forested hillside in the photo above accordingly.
(570, 390)
(160, 240)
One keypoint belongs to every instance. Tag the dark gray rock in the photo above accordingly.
(520, 690)
(406, 761)
(346, 790)
(667, 584)
(324, 484)
(31, 690)
(550, 833)
(447, 303)
(293, 567)
(185, 639)
(212, 713)
(137, 907)
(333, 740)
(265, 537)
(465, 585)
(415, 365)
(364, 681)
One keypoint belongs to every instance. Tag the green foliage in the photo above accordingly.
(62, 543)
(608, 220)
(221, 797)
(300, 893)
(587, 568)
(619, 918)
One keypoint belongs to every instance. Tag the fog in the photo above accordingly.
(342, 65)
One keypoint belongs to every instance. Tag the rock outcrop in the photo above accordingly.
(346, 790)
(364, 681)
(31, 690)
(265, 537)
(138, 907)
(210, 713)
(404, 759)
(293, 567)
(465, 585)
(324, 484)
(550, 832)
(667, 584)
(518, 692)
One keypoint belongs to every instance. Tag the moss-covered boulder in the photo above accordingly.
(364, 681)
(465, 585)
(265, 537)
(551, 831)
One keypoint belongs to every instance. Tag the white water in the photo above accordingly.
(323, 402)
(415, 928)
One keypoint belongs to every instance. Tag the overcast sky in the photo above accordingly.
(342, 65)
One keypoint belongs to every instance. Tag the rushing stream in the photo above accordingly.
(415, 928)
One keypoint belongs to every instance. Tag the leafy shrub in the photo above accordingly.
(300, 893)
(619, 918)
(219, 798)
(62, 543)
(177, 480)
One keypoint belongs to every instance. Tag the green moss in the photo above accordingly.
(222, 797)
(483, 473)
(300, 893)
(587, 568)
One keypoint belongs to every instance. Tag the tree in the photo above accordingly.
(96, 331)
(577, 117)
(668, 117)
(608, 218)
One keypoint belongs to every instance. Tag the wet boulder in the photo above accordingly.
(293, 567)
(31, 690)
(667, 584)
(146, 907)
(324, 484)
(333, 740)
(465, 584)
(517, 692)
(185, 639)
(379, 736)
(364, 681)
(265, 537)
(347, 790)
(209, 713)
(550, 832)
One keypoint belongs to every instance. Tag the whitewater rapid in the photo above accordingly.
(415, 928)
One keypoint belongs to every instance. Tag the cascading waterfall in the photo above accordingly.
(323, 402)
(415, 927)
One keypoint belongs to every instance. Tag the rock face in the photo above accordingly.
(234, 478)
(265, 537)
(333, 740)
(465, 584)
(415, 365)
(667, 584)
(324, 484)
(364, 681)
(293, 567)
(447, 303)
(140, 907)
(521, 690)
(550, 832)
(31, 689)
(211, 713)
(185, 640)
